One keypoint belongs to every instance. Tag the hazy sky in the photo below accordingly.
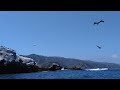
(62, 33)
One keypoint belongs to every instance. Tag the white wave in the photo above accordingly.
(97, 69)
(62, 68)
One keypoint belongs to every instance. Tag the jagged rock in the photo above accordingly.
(27, 61)
(55, 67)
(7, 54)
(11, 62)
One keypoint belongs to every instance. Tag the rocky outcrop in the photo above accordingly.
(55, 67)
(25, 60)
(10, 62)
(7, 54)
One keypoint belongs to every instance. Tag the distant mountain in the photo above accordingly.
(45, 61)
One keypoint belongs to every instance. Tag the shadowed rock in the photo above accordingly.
(10, 62)
(55, 67)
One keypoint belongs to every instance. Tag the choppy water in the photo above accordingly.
(66, 74)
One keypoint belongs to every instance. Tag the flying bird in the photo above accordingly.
(34, 44)
(98, 22)
(101, 21)
(99, 46)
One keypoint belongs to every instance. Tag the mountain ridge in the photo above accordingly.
(46, 61)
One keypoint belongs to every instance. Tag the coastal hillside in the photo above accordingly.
(45, 61)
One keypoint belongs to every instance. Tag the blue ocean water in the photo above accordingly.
(66, 74)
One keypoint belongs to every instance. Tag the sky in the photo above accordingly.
(69, 34)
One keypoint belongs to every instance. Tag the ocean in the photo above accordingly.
(66, 74)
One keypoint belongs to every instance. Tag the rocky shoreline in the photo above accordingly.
(13, 68)
(10, 62)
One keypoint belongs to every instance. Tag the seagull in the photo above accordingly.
(101, 21)
(98, 22)
(99, 46)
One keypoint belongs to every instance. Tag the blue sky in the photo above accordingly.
(62, 33)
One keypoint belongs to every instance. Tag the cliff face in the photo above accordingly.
(7, 54)
(25, 60)
(10, 62)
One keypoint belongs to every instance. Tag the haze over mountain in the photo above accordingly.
(115, 58)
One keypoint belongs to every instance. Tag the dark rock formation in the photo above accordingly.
(10, 62)
(75, 68)
(55, 67)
